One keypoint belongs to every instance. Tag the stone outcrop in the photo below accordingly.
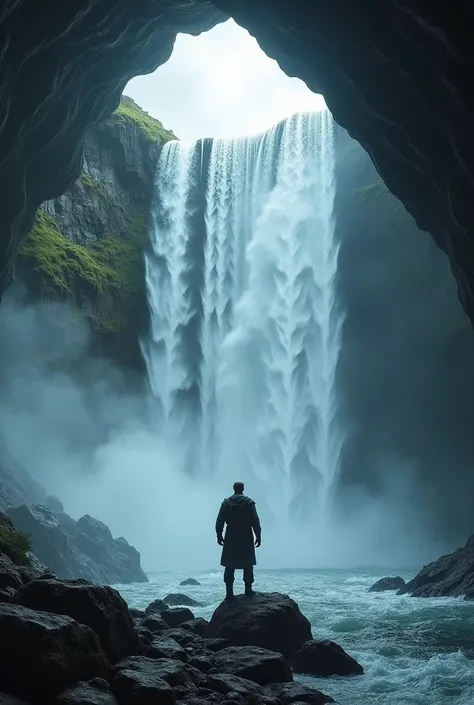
(295, 692)
(93, 692)
(190, 581)
(82, 549)
(325, 658)
(99, 607)
(16, 484)
(451, 575)
(270, 620)
(178, 599)
(253, 663)
(385, 584)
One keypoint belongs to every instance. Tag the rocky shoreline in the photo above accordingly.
(73, 642)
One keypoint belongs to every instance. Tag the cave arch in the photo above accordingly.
(396, 74)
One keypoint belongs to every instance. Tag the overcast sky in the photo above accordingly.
(220, 84)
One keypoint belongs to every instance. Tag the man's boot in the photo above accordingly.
(249, 591)
(229, 593)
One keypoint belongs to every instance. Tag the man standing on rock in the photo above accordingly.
(239, 513)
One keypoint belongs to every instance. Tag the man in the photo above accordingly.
(239, 513)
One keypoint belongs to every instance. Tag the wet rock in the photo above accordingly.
(138, 681)
(145, 636)
(179, 600)
(288, 693)
(165, 647)
(190, 581)
(6, 594)
(100, 607)
(451, 575)
(325, 658)
(42, 654)
(269, 620)
(202, 661)
(183, 637)
(197, 626)
(226, 683)
(175, 616)
(93, 692)
(9, 575)
(388, 584)
(215, 644)
(175, 673)
(154, 624)
(253, 663)
(156, 607)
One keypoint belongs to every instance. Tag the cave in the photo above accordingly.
(394, 74)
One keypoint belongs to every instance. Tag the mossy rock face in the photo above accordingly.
(130, 113)
(14, 544)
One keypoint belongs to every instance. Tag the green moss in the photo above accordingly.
(110, 266)
(61, 262)
(130, 113)
(88, 181)
(14, 544)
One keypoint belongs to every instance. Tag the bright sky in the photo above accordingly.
(220, 84)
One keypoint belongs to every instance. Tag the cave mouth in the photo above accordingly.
(231, 87)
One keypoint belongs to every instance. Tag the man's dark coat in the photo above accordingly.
(239, 514)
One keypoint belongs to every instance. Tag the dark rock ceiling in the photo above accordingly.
(397, 74)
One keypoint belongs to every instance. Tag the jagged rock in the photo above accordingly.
(54, 504)
(215, 644)
(154, 624)
(156, 607)
(182, 636)
(270, 620)
(11, 700)
(6, 594)
(295, 692)
(136, 614)
(202, 661)
(42, 654)
(175, 616)
(197, 626)
(178, 599)
(166, 647)
(138, 681)
(175, 673)
(93, 692)
(388, 584)
(34, 570)
(82, 549)
(190, 581)
(145, 636)
(100, 607)
(450, 575)
(253, 663)
(9, 574)
(226, 683)
(325, 658)
(16, 484)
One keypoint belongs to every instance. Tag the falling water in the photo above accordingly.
(245, 329)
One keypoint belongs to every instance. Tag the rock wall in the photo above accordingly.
(86, 246)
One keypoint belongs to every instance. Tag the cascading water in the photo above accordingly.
(245, 329)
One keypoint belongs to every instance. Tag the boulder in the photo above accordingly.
(136, 614)
(202, 660)
(137, 681)
(288, 693)
(42, 654)
(156, 607)
(179, 600)
(387, 584)
(215, 644)
(173, 672)
(182, 636)
(225, 683)
(325, 658)
(270, 620)
(154, 624)
(451, 575)
(253, 663)
(6, 594)
(166, 647)
(93, 692)
(82, 549)
(174, 616)
(197, 626)
(190, 581)
(100, 607)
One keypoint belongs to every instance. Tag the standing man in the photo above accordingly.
(240, 515)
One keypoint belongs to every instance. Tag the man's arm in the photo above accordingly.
(257, 529)
(220, 521)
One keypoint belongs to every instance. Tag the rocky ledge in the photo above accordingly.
(79, 643)
(77, 549)
(451, 575)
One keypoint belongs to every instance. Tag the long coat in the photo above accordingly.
(239, 514)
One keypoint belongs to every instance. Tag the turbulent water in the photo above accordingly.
(414, 651)
(245, 330)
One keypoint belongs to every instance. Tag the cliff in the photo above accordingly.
(86, 246)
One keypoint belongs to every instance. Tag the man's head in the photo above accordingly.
(238, 487)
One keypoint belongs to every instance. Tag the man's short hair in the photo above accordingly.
(238, 487)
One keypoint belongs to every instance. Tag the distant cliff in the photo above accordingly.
(87, 246)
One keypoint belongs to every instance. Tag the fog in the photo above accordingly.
(72, 422)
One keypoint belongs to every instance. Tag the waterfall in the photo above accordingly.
(245, 329)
